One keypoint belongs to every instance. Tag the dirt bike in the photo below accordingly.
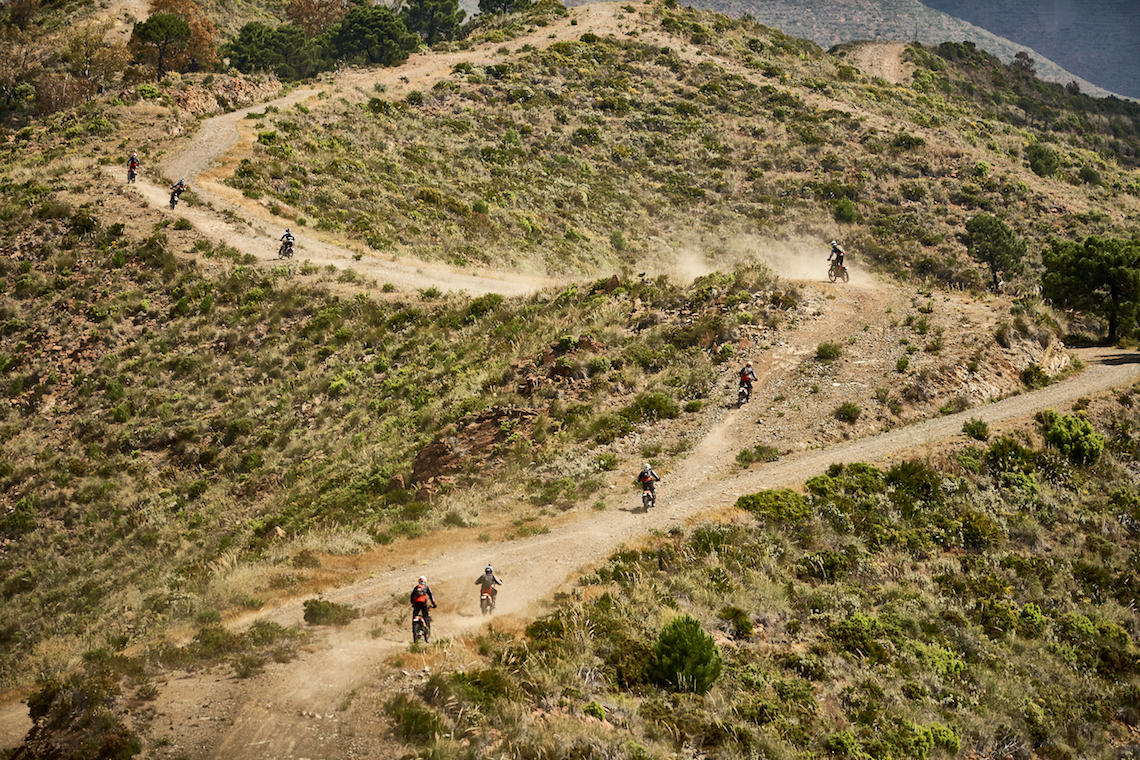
(837, 272)
(132, 174)
(421, 627)
(486, 602)
(648, 498)
(286, 250)
(743, 395)
(174, 197)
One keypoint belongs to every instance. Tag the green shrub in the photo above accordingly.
(687, 659)
(760, 453)
(324, 612)
(1073, 436)
(976, 429)
(649, 407)
(845, 211)
(847, 412)
(741, 622)
(828, 351)
(783, 506)
(1034, 376)
(413, 721)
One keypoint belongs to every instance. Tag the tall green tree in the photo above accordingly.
(491, 7)
(372, 34)
(1099, 276)
(433, 20)
(991, 242)
(160, 38)
(286, 51)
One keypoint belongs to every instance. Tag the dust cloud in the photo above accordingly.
(801, 258)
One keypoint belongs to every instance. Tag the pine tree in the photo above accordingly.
(686, 657)
(434, 20)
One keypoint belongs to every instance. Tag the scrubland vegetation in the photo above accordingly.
(171, 401)
(981, 602)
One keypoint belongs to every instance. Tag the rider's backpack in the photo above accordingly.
(419, 594)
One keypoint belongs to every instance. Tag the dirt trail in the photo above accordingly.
(299, 709)
(295, 710)
(883, 60)
(224, 214)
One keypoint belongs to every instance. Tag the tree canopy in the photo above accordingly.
(373, 34)
(991, 242)
(1100, 276)
(434, 20)
(491, 7)
(160, 38)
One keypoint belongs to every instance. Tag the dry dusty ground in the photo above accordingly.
(324, 705)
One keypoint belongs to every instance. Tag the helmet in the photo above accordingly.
(286, 230)
(489, 570)
(423, 579)
(134, 153)
(749, 364)
(645, 467)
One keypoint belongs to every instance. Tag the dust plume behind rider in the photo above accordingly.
(487, 582)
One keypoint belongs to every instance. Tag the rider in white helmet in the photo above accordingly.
(421, 597)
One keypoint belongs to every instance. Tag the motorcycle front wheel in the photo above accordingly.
(831, 274)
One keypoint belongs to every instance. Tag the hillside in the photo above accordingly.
(526, 264)
(835, 22)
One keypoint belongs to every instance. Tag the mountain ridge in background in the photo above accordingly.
(832, 22)
(1098, 41)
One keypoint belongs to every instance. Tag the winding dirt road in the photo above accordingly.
(301, 709)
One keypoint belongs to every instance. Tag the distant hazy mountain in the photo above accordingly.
(830, 22)
(1096, 39)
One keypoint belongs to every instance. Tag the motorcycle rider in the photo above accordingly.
(133, 165)
(176, 190)
(487, 582)
(421, 597)
(747, 377)
(837, 253)
(648, 479)
(287, 239)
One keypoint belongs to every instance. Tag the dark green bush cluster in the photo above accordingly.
(363, 36)
(686, 657)
(324, 612)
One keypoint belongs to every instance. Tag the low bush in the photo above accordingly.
(976, 429)
(1074, 437)
(324, 612)
(847, 412)
(783, 506)
(828, 351)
